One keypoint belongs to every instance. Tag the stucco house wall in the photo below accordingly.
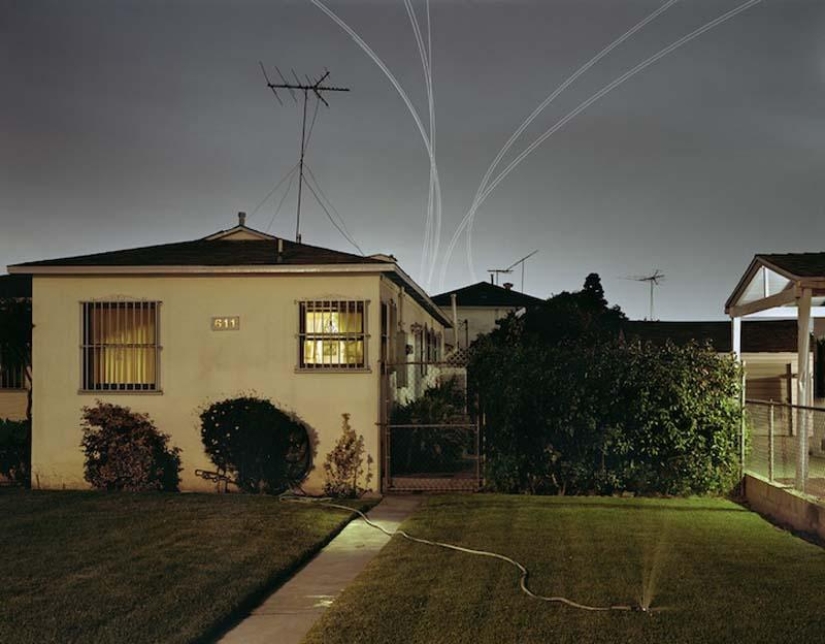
(199, 366)
(261, 286)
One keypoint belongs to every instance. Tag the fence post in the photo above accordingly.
(771, 446)
(742, 429)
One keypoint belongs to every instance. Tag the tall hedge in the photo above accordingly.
(572, 407)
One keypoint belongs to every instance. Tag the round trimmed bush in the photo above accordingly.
(125, 451)
(265, 449)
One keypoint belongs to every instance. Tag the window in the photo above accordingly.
(12, 371)
(120, 349)
(332, 335)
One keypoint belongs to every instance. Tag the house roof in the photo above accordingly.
(797, 265)
(488, 295)
(210, 252)
(15, 286)
(764, 336)
(240, 249)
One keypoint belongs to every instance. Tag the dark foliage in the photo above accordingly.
(574, 408)
(15, 450)
(125, 451)
(265, 449)
(430, 449)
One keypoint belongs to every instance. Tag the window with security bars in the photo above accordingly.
(12, 370)
(120, 350)
(332, 334)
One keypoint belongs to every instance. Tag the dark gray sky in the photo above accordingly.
(131, 123)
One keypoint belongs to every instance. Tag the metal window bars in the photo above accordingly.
(332, 334)
(12, 371)
(120, 348)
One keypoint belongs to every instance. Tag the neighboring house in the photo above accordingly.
(479, 306)
(13, 382)
(169, 329)
(768, 350)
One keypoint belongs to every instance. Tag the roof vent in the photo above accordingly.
(508, 285)
(242, 219)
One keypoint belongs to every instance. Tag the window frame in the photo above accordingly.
(336, 305)
(88, 347)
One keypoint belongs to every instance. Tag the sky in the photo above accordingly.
(131, 123)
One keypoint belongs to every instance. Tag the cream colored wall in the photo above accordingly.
(479, 320)
(766, 376)
(409, 313)
(13, 404)
(199, 366)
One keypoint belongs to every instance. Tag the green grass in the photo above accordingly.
(718, 573)
(98, 567)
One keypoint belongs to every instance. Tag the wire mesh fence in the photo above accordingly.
(786, 445)
(431, 434)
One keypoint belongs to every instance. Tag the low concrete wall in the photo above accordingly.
(785, 505)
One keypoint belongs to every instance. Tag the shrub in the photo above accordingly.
(344, 465)
(125, 451)
(266, 450)
(574, 409)
(14, 450)
(430, 449)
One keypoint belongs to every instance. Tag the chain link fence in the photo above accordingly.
(786, 445)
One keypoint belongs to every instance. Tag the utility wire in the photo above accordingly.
(283, 198)
(271, 192)
(330, 217)
(330, 204)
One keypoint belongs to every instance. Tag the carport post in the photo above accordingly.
(803, 387)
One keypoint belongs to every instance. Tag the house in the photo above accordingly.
(768, 350)
(14, 289)
(172, 328)
(475, 309)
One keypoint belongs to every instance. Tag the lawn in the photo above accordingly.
(98, 567)
(715, 571)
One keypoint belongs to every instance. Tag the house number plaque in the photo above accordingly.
(226, 323)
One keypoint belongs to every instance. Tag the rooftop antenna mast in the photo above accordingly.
(522, 262)
(316, 88)
(496, 272)
(654, 280)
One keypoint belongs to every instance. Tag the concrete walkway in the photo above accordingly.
(287, 615)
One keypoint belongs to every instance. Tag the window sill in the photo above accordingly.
(118, 392)
(332, 370)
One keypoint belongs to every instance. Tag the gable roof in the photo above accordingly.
(770, 279)
(764, 336)
(796, 265)
(488, 295)
(208, 252)
(230, 252)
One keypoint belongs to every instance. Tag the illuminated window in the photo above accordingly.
(332, 335)
(120, 349)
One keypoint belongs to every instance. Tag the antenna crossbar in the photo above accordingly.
(316, 88)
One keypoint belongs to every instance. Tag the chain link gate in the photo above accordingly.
(422, 453)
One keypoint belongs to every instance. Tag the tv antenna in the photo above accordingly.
(495, 272)
(654, 280)
(522, 262)
(310, 86)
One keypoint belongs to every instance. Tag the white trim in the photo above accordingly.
(784, 313)
(772, 301)
(201, 270)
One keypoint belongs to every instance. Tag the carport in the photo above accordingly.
(784, 286)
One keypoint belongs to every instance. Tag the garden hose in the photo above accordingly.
(524, 573)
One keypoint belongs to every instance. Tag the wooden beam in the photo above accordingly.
(772, 301)
(785, 313)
